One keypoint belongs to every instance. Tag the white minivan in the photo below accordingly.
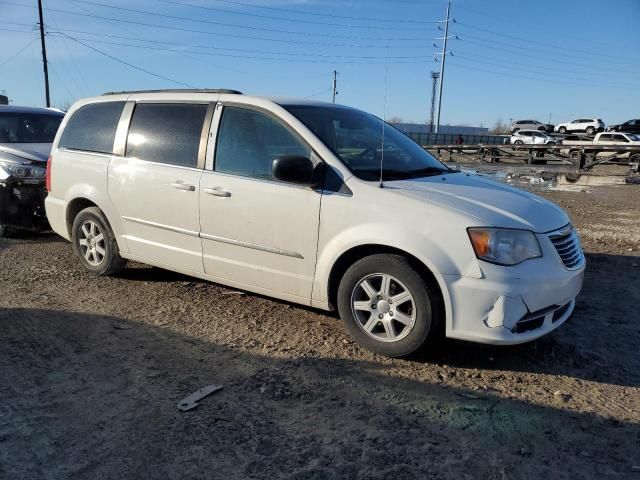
(313, 203)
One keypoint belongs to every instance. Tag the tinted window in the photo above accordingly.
(620, 138)
(249, 141)
(28, 127)
(166, 133)
(605, 137)
(93, 127)
(356, 139)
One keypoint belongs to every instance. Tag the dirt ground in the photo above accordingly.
(91, 370)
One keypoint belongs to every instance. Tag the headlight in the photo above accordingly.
(504, 246)
(20, 171)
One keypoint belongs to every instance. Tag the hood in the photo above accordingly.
(33, 152)
(490, 203)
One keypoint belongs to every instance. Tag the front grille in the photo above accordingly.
(568, 247)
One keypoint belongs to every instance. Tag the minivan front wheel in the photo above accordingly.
(387, 306)
(95, 244)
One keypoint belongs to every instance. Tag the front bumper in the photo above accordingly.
(511, 305)
(22, 205)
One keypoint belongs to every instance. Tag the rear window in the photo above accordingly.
(18, 127)
(92, 128)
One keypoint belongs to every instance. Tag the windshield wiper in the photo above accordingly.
(427, 172)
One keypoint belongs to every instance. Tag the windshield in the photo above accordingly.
(356, 138)
(28, 127)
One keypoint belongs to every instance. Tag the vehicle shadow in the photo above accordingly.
(598, 343)
(93, 396)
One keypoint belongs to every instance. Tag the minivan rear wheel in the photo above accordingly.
(95, 244)
(387, 306)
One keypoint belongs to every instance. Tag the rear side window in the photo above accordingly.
(166, 133)
(93, 127)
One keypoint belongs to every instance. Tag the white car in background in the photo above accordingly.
(532, 137)
(302, 201)
(590, 126)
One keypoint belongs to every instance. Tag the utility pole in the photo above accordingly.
(434, 83)
(334, 85)
(442, 60)
(44, 55)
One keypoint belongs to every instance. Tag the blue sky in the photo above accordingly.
(512, 59)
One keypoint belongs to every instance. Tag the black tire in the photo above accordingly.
(111, 261)
(562, 130)
(518, 142)
(572, 177)
(591, 131)
(429, 324)
(542, 129)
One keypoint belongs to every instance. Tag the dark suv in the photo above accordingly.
(630, 126)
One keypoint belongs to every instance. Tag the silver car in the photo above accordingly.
(530, 125)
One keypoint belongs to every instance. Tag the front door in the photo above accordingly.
(258, 233)
(154, 187)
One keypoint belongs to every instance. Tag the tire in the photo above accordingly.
(91, 234)
(591, 131)
(408, 325)
(515, 130)
(542, 129)
(518, 142)
(562, 130)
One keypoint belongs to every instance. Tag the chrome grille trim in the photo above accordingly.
(568, 248)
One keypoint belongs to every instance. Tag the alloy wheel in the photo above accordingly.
(383, 307)
(92, 243)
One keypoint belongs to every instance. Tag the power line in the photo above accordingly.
(326, 15)
(525, 53)
(19, 51)
(242, 50)
(217, 34)
(296, 20)
(528, 77)
(246, 27)
(319, 93)
(255, 57)
(548, 45)
(129, 64)
(528, 70)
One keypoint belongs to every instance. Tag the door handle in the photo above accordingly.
(183, 186)
(217, 191)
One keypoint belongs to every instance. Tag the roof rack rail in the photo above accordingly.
(179, 90)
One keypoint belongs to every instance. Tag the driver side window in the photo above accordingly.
(248, 142)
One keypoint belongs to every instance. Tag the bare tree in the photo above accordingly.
(396, 120)
(499, 128)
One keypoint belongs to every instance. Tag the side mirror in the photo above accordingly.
(295, 169)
